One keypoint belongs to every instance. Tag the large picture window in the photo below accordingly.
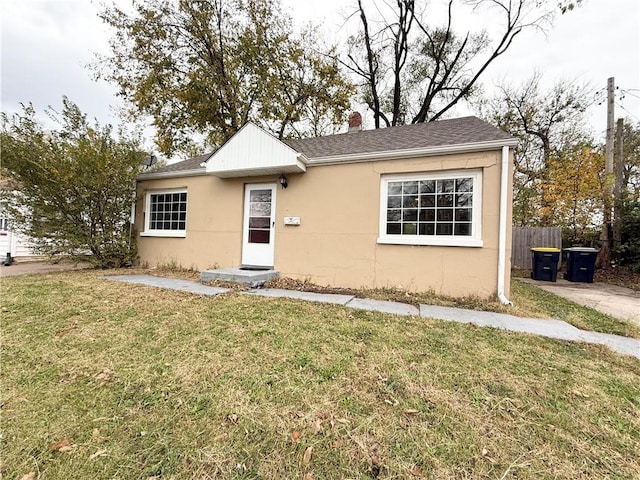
(431, 209)
(166, 213)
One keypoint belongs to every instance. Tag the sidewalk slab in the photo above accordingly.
(550, 328)
(309, 296)
(624, 345)
(169, 284)
(382, 306)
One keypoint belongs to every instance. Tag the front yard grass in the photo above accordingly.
(109, 380)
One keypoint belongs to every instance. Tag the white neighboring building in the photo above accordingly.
(14, 243)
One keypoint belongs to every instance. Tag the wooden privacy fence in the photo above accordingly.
(526, 238)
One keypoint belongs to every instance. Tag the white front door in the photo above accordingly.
(259, 223)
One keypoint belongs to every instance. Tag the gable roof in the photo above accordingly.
(457, 131)
(254, 151)
(468, 132)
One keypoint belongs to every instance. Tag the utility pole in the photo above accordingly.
(604, 258)
(617, 186)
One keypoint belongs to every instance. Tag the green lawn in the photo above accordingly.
(108, 380)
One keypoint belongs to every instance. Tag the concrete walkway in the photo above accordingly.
(547, 328)
(619, 302)
(34, 267)
(169, 284)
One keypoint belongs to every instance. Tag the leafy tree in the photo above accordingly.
(631, 158)
(71, 188)
(573, 192)
(411, 71)
(550, 127)
(202, 69)
(628, 251)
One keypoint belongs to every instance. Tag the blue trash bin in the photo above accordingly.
(544, 263)
(581, 264)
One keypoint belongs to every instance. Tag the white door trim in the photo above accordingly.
(258, 243)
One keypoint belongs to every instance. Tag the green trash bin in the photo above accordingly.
(581, 264)
(544, 263)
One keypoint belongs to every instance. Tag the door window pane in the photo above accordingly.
(259, 236)
(259, 222)
(260, 196)
(260, 209)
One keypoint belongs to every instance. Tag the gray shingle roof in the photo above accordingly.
(421, 135)
(191, 164)
(456, 131)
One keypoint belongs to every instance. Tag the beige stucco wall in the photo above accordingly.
(336, 242)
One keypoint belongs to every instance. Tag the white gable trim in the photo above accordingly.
(253, 151)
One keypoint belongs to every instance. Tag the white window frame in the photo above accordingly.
(148, 232)
(473, 240)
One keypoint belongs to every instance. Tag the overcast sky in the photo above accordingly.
(46, 45)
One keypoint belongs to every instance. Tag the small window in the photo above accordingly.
(431, 209)
(166, 213)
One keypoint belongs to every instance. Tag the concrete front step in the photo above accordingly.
(253, 278)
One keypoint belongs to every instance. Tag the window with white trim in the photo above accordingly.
(431, 209)
(166, 213)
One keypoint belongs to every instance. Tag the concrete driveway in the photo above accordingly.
(618, 302)
(27, 268)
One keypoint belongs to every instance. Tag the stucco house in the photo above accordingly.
(421, 207)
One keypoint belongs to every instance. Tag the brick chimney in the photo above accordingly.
(355, 122)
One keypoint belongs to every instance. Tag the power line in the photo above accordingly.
(628, 92)
(620, 105)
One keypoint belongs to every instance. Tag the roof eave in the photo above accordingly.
(174, 174)
(413, 152)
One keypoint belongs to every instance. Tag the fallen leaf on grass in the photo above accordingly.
(578, 393)
(317, 426)
(232, 418)
(411, 411)
(29, 476)
(308, 476)
(104, 376)
(63, 445)
(295, 436)
(416, 471)
(97, 437)
(306, 458)
(99, 453)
